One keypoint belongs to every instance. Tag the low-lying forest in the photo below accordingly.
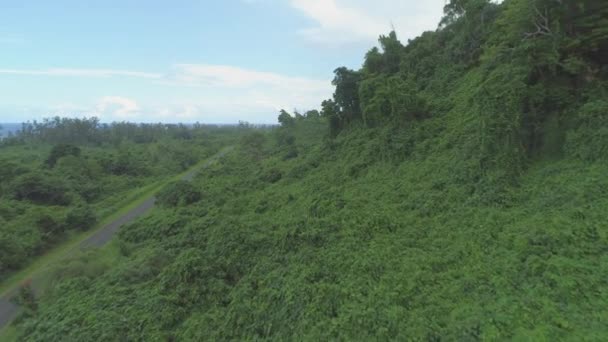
(62, 176)
(454, 188)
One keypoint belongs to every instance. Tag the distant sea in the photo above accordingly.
(6, 128)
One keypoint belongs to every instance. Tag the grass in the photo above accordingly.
(9, 333)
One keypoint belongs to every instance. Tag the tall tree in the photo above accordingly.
(285, 119)
(346, 95)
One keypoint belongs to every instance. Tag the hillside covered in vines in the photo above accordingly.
(453, 188)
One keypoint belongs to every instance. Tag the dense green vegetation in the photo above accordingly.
(454, 188)
(61, 176)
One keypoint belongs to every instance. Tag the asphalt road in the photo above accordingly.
(106, 234)
(8, 310)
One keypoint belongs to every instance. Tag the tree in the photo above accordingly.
(126, 163)
(41, 188)
(178, 194)
(81, 218)
(331, 111)
(373, 62)
(48, 226)
(390, 98)
(253, 144)
(456, 9)
(71, 167)
(375, 103)
(469, 24)
(589, 140)
(9, 170)
(346, 95)
(392, 50)
(59, 151)
(312, 114)
(298, 116)
(285, 119)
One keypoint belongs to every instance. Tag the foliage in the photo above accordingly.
(41, 188)
(26, 298)
(60, 176)
(178, 193)
(285, 119)
(452, 189)
(80, 218)
(59, 151)
(253, 143)
(589, 141)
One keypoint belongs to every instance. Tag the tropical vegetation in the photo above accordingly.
(453, 188)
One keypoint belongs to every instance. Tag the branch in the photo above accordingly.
(541, 22)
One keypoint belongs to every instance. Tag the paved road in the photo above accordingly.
(8, 310)
(106, 234)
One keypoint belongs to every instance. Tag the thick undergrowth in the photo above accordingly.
(452, 189)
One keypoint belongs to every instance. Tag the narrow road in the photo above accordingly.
(8, 310)
(105, 234)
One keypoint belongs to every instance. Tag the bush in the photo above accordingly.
(9, 170)
(589, 141)
(272, 176)
(59, 151)
(81, 218)
(49, 227)
(252, 144)
(40, 188)
(26, 297)
(178, 194)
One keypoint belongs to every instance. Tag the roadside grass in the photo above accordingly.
(8, 334)
(78, 264)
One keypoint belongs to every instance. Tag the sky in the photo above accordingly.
(186, 61)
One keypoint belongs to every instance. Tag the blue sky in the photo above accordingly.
(187, 60)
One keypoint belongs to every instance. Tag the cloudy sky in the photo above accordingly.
(209, 61)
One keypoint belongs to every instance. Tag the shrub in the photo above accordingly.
(26, 298)
(48, 226)
(81, 218)
(272, 176)
(59, 151)
(40, 188)
(589, 141)
(177, 194)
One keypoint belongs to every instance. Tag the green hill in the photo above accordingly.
(454, 188)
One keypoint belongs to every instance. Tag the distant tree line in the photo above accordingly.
(90, 131)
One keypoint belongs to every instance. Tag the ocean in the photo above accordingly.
(6, 128)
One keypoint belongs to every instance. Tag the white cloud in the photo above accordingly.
(215, 93)
(117, 107)
(181, 113)
(235, 77)
(75, 72)
(340, 22)
(335, 21)
(250, 91)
